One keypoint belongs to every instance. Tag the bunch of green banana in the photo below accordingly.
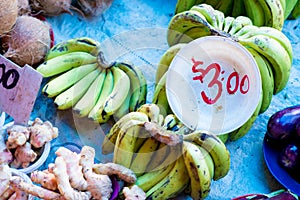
(271, 13)
(165, 169)
(270, 48)
(82, 80)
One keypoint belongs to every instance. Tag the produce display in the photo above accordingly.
(262, 13)
(85, 82)
(154, 156)
(165, 155)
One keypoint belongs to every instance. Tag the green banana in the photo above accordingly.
(255, 12)
(238, 23)
(207, 11)
(166, 59)
(198, 171)
(244, 129)
(216, 148)
(238, 8)
(119, 92)
(86, 103)
(125, 143)
(71, 96)
(295, 13)
(66, 80)
(267, 80)
(172, 184)
(183, 5)
(143, 91)
(220, 19)
(123, 109)
(160, 96)
(97, 114)
(183, 22)
(111, 137)
(81, 44)
(245, 31)
(150, 179)
(275, 54)
(224, 137)
(225, 6)
(65, 62)
(277, 14)
(290, 4)
(228, 23)
(144, 155)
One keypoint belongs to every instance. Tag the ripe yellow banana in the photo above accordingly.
(198, 171)
(86, 103)
(276, 54)
(97, 114)
(172, 184)
(208, 159)
(65, 62)
(110, 139)
(216, 149)
(119, 92)
(143, 91)
(66, 80)
(150, 179)
(82, 44)
(151, 110)
(71, 96)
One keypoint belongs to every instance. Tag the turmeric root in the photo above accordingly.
(45, 179)
(109, 169)
(63, 184)
(24, 155)
(42, 132)
(74, 170)
(5, 155)
(17, 136)
(19, 184)
(99, 185)
(134, 193)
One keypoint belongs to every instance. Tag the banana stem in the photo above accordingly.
(102, 61)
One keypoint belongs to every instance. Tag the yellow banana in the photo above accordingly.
(172, 184)
(66, 80)
(198, 171)
(119, 92)
(65, 62)
(166, 59)
(208, 159)
(110, 139)
(86, 103)
(97, 114)
(71, 96)
(143, 91)
(151, 110)
(216, 149)
(170, 121)
(81, 44)
(150, 179)
(276, 54)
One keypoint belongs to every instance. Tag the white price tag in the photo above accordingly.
(18, 89)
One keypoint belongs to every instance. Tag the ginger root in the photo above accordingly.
(99, 185)
(24, 155)
(5, 155)
(42, 132)
(74, 170)
(5, 175)
(134, 193)
(17, 136)
(45, 178)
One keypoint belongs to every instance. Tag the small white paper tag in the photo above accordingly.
(18, 89)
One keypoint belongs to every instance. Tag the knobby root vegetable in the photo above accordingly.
(42, 132)
(5, 155)
(63, 184)
(28, 41)
(99, 185)
(120, 171)
(45, 178)
(134, 193)
(17, 136)
(8, 15)
(74, 170)
(18, 183)
(5, 175)
(24, 155)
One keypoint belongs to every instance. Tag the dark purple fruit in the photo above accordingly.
(290, 157)
(282, 124)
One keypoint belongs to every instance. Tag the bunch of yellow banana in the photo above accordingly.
(165, 155)
(271, 13)
(83, 81)
(270, 48)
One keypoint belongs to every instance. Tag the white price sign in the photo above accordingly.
(18, 89)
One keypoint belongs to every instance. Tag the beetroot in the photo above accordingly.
(28, 42)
